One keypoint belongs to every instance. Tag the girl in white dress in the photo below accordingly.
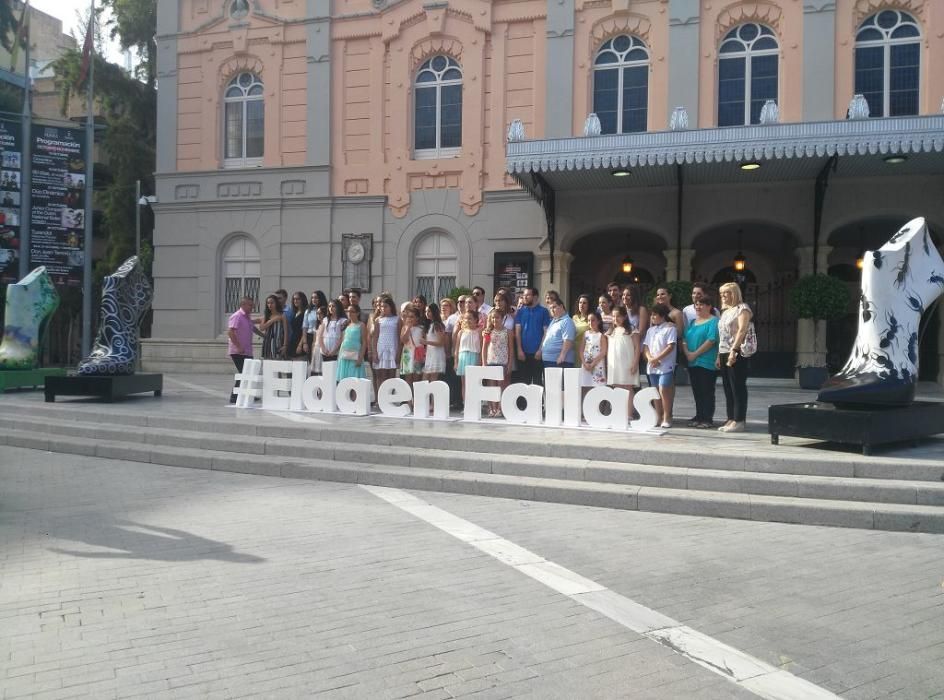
(622, 354)
(385, 343)
(435, 345)
(413, 353)
(468, 345)
(496, 352)
(593, 354)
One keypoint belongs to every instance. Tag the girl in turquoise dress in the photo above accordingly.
(353, 347)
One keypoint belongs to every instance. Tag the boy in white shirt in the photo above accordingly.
(659, 348)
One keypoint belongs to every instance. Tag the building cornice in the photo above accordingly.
(920, 134)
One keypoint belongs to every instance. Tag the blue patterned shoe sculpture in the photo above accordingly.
(30, 304)
(126, 297)
(900, 281)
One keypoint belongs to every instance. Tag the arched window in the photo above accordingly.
(240, 274)
(747, 74)
(621, 85)
(244, 121)
(435, 265)
(239, 9)
(888, 63)
(437, 114)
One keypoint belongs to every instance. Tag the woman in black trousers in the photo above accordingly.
(732, 355)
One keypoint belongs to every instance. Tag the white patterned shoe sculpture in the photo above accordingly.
(900, 281)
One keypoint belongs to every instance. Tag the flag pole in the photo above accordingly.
(26, 150)
(89, 173)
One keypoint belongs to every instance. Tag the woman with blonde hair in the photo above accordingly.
(734, 329)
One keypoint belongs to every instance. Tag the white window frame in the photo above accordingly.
(747, 54)
(886, 43)
(242, 253)
(438, 85)
(437, 258)
(243, 100)
(635, 43)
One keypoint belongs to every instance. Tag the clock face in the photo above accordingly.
(356, 252)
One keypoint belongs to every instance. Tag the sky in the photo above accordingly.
(72, 13)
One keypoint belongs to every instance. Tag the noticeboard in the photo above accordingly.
(11, 163)
(58, 213)
(514, 270)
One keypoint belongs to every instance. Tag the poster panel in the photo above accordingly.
(58, 206)
(514, 271)
(11, 165)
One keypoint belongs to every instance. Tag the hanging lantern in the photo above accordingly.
(740, 262)
(860, 261)
(627, 265)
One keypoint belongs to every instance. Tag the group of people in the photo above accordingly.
(614, 342)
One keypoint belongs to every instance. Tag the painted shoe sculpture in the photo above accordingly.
(900, 281)
(126, 297)
(30, 304)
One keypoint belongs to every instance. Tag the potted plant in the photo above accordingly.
(815, 299)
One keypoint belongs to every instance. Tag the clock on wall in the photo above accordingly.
(356, 254)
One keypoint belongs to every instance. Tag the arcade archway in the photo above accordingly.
(598, 260)
(770, 262)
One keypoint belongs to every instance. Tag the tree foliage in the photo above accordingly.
(9, 25)
(126, 116)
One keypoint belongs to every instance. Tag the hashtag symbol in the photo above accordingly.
(248, 384)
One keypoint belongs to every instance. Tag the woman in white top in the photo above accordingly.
(732, 330)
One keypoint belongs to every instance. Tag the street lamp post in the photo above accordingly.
(140, 201)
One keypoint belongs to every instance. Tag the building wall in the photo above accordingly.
(338, 131)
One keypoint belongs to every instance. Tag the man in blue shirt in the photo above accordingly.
(557, 347)
(531, 320)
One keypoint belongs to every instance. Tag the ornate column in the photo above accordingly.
(672, 272)
(561, 281)
(805, 259)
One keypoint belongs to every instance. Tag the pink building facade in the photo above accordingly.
(295, 134)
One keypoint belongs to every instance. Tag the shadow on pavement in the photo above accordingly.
(131, 540)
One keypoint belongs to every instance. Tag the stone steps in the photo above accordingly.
(782, 491)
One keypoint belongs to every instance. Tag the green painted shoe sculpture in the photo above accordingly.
(30, 304)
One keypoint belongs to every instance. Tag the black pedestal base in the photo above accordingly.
(108, 388)
(863, 427)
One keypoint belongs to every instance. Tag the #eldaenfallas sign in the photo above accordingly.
(286, 386)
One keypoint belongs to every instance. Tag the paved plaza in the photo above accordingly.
(127, 579)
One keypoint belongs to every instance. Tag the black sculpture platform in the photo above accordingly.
(865, 427)
(107, 387)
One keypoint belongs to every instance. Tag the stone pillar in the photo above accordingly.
(810, 338)
(683, 66)
(318, 83)
(805, 259)
(166, 40)
(819, 60)
(559, 70)
(672, 272)
(561, 281)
